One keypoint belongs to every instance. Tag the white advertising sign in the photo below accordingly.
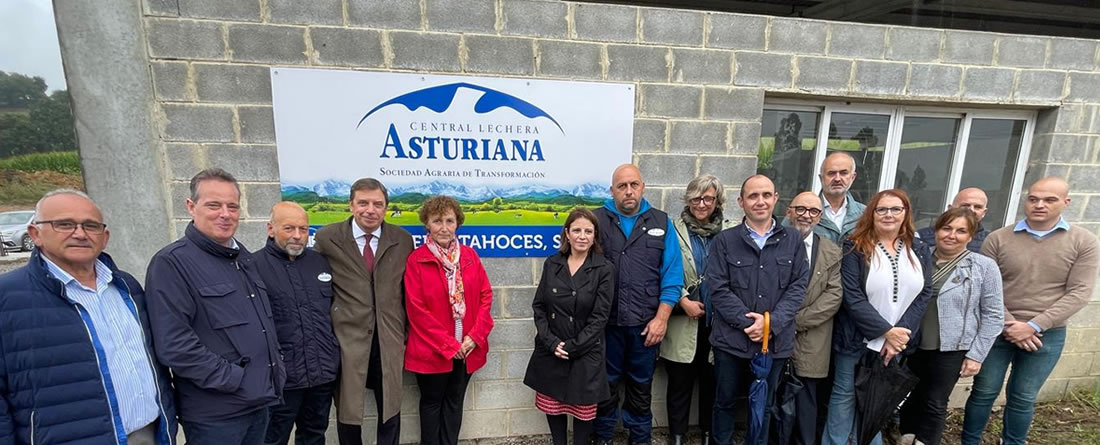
(518, 154)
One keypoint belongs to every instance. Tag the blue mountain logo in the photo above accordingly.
(439, 99)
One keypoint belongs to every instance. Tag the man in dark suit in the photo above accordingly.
(367, 256)
(814, 320)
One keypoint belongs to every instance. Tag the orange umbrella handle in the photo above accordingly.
(767, 331)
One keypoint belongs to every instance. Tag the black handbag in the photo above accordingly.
(694, 294)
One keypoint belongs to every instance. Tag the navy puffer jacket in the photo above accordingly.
(53, 389)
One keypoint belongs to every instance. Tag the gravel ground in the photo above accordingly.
(7, 265)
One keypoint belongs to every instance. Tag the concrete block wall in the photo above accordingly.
(701, 80)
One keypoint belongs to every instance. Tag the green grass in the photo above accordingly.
(504, 218)
(23, 192)
(67, 162)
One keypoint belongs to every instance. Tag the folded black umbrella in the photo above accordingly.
(785, 411)
(880, 388)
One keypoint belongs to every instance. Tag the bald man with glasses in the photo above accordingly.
(814, 319)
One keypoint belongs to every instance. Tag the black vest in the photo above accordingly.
(637, 264)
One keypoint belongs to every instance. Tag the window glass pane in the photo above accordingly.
(787, 141)
(863, 136)
(991, 155)
(924, 164)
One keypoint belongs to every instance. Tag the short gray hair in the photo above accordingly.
(52, 193)
(851, 159)
(700, 184)
(215, 174)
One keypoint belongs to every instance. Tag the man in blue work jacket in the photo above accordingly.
(756, 267)
(299, 284)
(640, 240)
(211, 321)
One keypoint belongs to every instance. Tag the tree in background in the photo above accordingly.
(19, 91)
(32, 121)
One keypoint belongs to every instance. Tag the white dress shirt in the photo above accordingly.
(361, 237)
(836, 215)
(809, 242)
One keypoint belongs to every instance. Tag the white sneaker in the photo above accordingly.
(907, 439)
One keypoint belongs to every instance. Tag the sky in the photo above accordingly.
(28, 41)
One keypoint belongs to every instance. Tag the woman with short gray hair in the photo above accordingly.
(686, 347)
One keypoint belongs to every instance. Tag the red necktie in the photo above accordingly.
(368, 255)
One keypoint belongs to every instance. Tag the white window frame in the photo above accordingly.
(897, 114)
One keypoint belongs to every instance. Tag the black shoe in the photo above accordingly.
(676, 439)
(603, 442)
(706, 438)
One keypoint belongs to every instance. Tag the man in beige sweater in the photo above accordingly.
(1049, 269)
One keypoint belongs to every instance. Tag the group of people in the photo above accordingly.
(241, 348)
(827, 290)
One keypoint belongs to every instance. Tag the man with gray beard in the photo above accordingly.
(299, 284)
(814, 319)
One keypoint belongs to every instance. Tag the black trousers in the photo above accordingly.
(824, 393)
(681, 381)
(925, 412)
(389, 431)
(308, 408)
(441, 399)
(807, 409)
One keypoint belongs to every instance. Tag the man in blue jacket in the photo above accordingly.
(76, 361)
(640, 240)
(211, 321)
(753, 268)
(299, 283)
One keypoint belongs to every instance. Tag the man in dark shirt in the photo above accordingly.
(971, 198)
(299, 283)
(211, 321)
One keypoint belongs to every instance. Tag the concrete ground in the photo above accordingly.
(13, 260)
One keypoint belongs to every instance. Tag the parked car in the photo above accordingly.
(13, 230)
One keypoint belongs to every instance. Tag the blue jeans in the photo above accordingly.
(1029, 371)
(840, 425)
(630, 361)
(246, 429)
(733, 375)
(306, 408)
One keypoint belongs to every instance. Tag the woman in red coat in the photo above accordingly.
(448, 298)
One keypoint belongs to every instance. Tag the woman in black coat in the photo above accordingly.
(571, 307)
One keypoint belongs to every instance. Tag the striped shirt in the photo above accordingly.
(121, 337)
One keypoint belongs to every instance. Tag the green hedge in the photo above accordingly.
(67, 162)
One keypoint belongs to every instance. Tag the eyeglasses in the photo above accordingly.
(708, 200)
(799, 210)
(69, 226)
(882, 211)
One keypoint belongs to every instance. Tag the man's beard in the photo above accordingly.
(804, 229)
